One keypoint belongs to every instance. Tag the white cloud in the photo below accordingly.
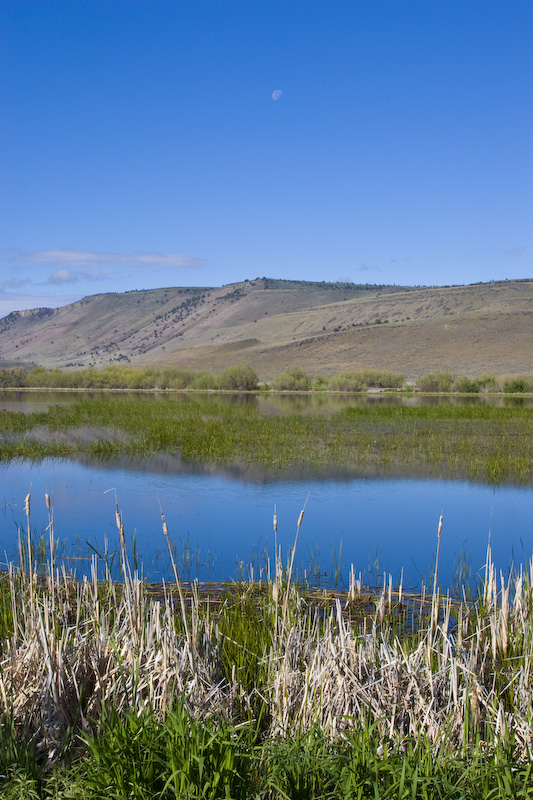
(62, 276)
(58, 270)
(276, 94)
(98, 274)
(85, 259)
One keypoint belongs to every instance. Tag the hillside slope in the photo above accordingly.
(270, 324)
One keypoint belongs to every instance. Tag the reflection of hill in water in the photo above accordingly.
(172, 464)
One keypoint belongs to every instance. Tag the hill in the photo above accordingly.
(271, 324)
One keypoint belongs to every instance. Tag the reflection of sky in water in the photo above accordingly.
(221, 520)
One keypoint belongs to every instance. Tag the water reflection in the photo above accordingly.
(220, 524)
(30, 401)
(220, 516)
(171, 463)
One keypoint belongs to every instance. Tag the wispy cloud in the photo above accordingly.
(66, 275)
(47, 274)
(14, 283)
(368, 268)
(87, 259)
(515, 252)
(16, 301)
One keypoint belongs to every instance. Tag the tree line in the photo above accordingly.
(243, 377)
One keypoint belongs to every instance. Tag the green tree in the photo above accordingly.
(241, 378)
(467, 386)
(516, 386)
(294, 379)
(347, 382)
(204, 380)
(436, 382)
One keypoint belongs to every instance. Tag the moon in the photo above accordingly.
(276, 94)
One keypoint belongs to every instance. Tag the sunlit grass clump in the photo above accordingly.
(261, 688)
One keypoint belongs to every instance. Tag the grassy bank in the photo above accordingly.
(136, 756)
(261, 688)
(480, 443)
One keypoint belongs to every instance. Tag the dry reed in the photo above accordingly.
(457, 672)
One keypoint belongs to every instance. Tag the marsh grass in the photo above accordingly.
(263, 687)
(481, 443)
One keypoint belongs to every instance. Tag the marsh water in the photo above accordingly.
(220, 519)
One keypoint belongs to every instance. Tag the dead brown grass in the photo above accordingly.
(424, 664)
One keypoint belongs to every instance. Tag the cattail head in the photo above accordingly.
(120, 527)
(47, 500)
(476, 709)
(439, 532)
(300, 518)
(275, 521)
(27, 504)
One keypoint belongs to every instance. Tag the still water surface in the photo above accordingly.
(220, 521)
(217, 522)
(37, 400)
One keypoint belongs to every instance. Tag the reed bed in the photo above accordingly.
(444, 676)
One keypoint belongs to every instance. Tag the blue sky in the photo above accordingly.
(148, 143)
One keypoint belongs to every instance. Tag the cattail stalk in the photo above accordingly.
(52, 545)
(180, 592)
(435, 611)
(29, 556)
(289, 574)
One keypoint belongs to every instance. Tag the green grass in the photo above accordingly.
(480, 443)
(262, 689)
(181, 757)
(265, 690)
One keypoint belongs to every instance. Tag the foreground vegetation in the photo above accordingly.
(244, 378)
(484, 443)
(261, 688)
